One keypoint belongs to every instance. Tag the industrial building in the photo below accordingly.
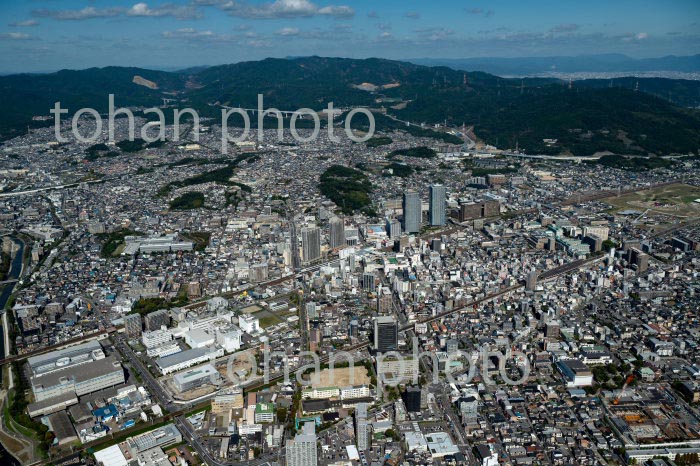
(576, 373)
(79, 380)
(195, 378)
(184, 359)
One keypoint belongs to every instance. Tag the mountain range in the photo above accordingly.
(624, 116)
(605, 63)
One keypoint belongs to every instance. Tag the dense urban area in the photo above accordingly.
(403, 301)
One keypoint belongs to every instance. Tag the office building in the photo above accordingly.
(249, 323)
(437, 205)
(469, 408)
(412, 215)
(302, 450)
(353, 328)
(264, 413)
(258, 273)
(155, 338)
(411, 398)
(132, 325)
(393, 228)
(368, 282)
(595, 242)
(386, 334)
(362, 427)
(161, 437)
(337, 233)
(637, 257)
(384, 301)
(406, 368)
(311, 244)
(552, 330)
(195, 378)
(155, 320)
(601, 232)
(531, 281)
(475, 210)
(494, 179)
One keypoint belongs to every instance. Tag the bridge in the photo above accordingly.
(7, 282)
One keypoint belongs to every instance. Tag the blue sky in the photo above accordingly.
(46, 35)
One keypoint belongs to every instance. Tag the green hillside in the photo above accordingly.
(508, 113)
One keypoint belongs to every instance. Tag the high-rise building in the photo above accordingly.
(531, 281)
(411, 212)
(393, 228)
(302, 450)
(156, 319)
(386, 334)
(311, 244)
(353, 328)
(368, 282)
(337, 232)
(640, 259)
(411, 398)
(132, 325)
(384, 301)
(259, 273)
(361, 427)
(437, 205)
(552, 330)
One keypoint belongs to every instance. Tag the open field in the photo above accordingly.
(675, 200)
(267, 318)
(341, 377)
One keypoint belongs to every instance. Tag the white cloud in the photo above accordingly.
(88, 12)
(288, 32)
(22, 24)
(283, 9)
(632, 37)
(188, 33)
(166, 9)
(138, 9)
(15, 36)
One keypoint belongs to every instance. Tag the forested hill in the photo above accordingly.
(627, 117)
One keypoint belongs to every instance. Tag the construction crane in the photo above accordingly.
(628, 381)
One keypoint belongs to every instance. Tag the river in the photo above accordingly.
(15, 270)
